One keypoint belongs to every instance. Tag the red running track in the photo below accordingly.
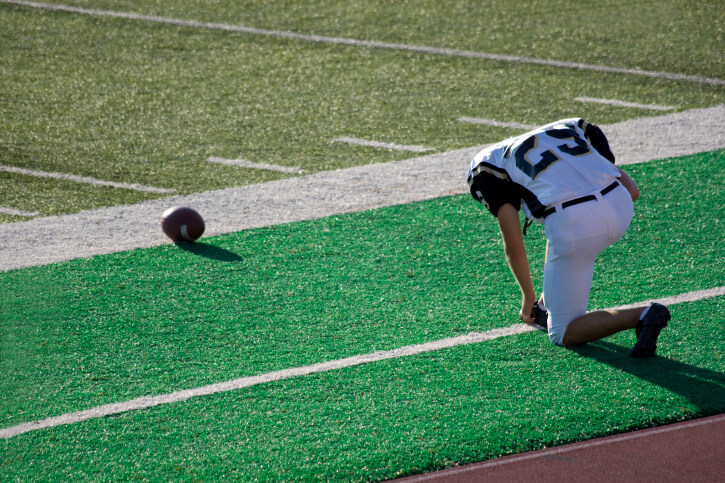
(688, 452)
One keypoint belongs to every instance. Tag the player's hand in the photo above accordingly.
(525, 313)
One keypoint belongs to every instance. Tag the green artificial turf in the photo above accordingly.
(112, 328)
(397, 417)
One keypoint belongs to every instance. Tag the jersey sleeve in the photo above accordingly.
(494, 191)
(598, 141)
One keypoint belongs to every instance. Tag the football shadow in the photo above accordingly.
(209, 251)
(702, 387)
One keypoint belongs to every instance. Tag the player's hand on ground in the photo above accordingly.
(525, 313)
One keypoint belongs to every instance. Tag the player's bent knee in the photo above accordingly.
(559, 325)
(556, 337)
(567, 341)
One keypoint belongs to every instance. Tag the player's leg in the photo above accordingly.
(576, 237)
(615, 213)
(572, 273)
(648, 321)
(567, 282)
(599, 324)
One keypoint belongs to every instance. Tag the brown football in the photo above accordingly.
(182, 224)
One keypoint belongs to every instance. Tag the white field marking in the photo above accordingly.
(151, 401)
(12, 211)
(547, 453)
(492, 122)
(243, 163)
(370, 43)
(614, 102)
(40, 241)
(86, 180)
(378, 144)
(678, 299)
(235, 384)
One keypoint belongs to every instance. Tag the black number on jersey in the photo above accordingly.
(575, 147)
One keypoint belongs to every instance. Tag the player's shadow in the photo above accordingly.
(703, 387)
(210, 251)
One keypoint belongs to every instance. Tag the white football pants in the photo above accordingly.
(577, 235)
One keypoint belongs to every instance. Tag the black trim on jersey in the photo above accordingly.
(535, 206)
(491, 169)
(492, 186)
(494, 192)
(598, 140)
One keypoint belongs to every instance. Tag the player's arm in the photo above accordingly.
(629, 184)
(515, 250)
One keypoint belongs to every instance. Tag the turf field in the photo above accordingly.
(142, 101)
(145, 102)
(148, 322)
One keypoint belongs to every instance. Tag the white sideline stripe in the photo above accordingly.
(84, 179)
(234, 384)
(544, 453)
(492, 122)
(12, 211)
(370, 43)
(378, 144)
(151, 401)
(39, 241)
(678, 299)
(243, 163)
(614, 102)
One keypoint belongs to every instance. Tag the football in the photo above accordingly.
(182, 224)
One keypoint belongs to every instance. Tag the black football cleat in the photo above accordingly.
(648, 329)
(540, 316)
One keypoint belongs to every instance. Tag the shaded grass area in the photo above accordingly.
(145, 103)
(112, 328)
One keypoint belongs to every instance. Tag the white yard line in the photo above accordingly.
(678, 299)
(381, 145)
(493, 122)
(84, 179)
(146, 402)
(54, 239)
(369, 43)
(243, 163)
(614, 102)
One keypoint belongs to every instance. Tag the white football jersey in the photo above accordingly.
(555, 163)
